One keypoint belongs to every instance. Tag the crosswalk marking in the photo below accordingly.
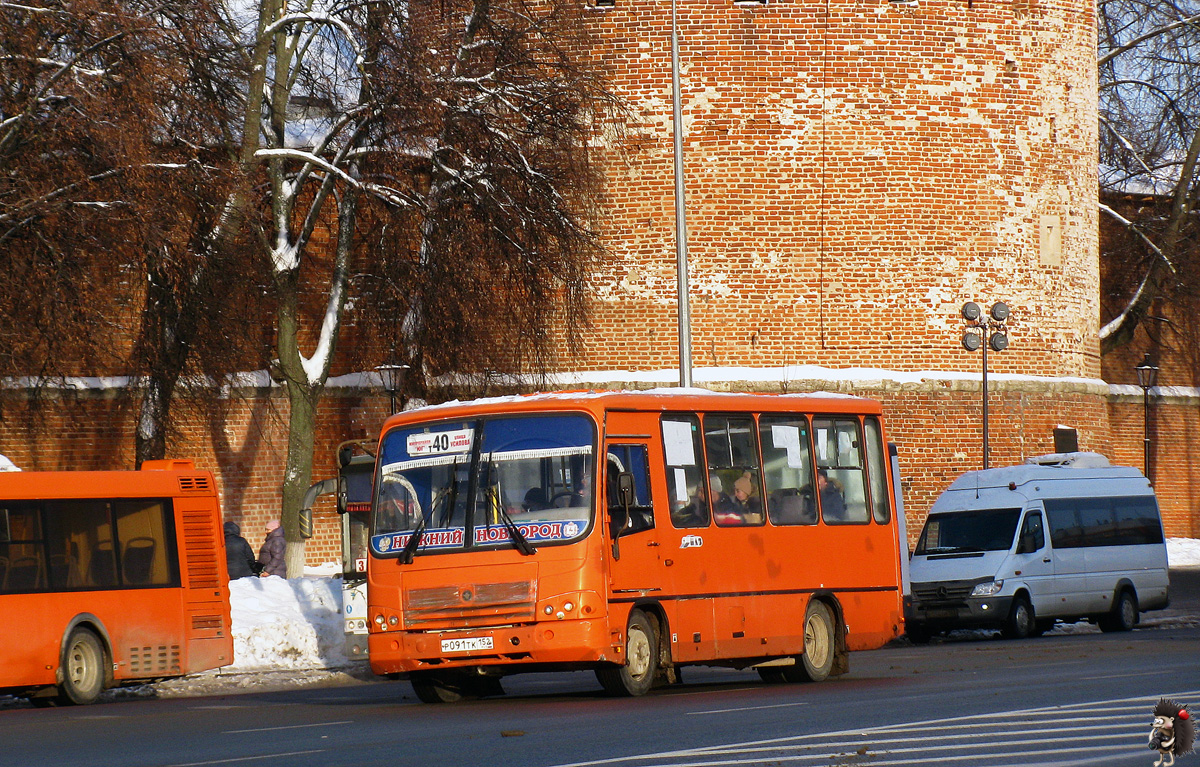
(1047, 736)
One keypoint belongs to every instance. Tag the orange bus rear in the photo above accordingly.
(735, 530)
(109, 578)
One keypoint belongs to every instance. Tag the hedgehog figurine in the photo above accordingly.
(1172, 732)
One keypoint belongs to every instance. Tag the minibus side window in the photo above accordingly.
(1033, 536)
(686, 483)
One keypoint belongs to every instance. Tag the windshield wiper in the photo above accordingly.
(519, 540)
(414, 541)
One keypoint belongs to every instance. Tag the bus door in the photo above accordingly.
(636, 568)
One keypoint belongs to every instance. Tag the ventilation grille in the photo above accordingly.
(191, 484)
(479, 604)
(198, 538)
(152, 661)
(207, 622)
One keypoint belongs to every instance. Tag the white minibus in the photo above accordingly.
(1063, 537)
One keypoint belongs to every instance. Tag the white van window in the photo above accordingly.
(1085, 522)
(1033, 536)
(969, 531)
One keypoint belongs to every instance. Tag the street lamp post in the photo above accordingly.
(681, 254)
(1147, 376)
(984, 333)
(392, 378)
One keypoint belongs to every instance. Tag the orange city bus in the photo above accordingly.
(741, 530)
(109, 578)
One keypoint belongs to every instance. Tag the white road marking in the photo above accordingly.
(247, 758)
(285, 727)
(1099, 723)
(743, 708)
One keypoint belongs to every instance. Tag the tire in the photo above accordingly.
(917, 633)
(820, 646)
(771, 674)
(637, 676)
(83, 669)
(1020, 622)
(1124, 614)
(431, 688)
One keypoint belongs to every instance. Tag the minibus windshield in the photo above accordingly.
(969, 531)
(488, 482)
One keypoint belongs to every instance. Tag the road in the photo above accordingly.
(1057, 700)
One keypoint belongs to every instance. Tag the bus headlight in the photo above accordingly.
(393, 620)
(987, 589)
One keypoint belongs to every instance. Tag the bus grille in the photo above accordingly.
(477, 604)
(145, 661)
(943, 593)
(193, 483)
(198, 534)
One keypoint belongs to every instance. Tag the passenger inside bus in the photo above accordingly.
(833, 505)
(695, 513)
(535, 500)
(742, 506)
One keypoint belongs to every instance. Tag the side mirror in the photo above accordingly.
(1028, 544)
(625, 494)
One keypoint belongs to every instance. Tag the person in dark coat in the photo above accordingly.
(271, 555)
(239, 557)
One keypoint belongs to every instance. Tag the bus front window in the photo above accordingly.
(969, 531)
(473, 484)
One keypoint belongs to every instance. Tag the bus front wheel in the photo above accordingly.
(636, 677)
(431, 688)
(83, 673)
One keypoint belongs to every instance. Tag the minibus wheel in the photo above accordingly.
(819, 646)
(1020, 622)
(432, 688)
(636, 677)
(82, 669)
(1124, 614)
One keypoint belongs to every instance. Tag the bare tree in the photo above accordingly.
(1149, 54)
(448, 146)
(112, 121)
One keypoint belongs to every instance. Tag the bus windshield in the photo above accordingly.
(469, 484)
(969, 531)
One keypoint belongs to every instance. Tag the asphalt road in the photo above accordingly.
(1057, 700)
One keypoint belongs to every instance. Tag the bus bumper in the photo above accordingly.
(566, 643)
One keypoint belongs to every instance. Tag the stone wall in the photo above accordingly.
(935, 421)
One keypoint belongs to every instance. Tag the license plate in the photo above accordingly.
(466, 644)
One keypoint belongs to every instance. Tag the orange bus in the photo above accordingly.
(743, 530)
(109, 578)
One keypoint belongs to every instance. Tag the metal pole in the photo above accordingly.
(1146, 431)
(986, 341)
(685, 320)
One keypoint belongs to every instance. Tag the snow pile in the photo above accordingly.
(287, 624)
(1183, 552)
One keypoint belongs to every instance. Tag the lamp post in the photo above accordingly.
(984, 333)
(1147, 376)
(681, 264)
(392, 378)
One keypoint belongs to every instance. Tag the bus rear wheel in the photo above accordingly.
(636, 677)
(83, 673)
(816, 663)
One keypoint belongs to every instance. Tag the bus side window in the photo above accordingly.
(686, 480)
(787, 469)
(839, 460)
(631, 460)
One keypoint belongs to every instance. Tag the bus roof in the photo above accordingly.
(661, 399)
(153, 483)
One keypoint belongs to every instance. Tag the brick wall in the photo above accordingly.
(855, 172)
(935, 423)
